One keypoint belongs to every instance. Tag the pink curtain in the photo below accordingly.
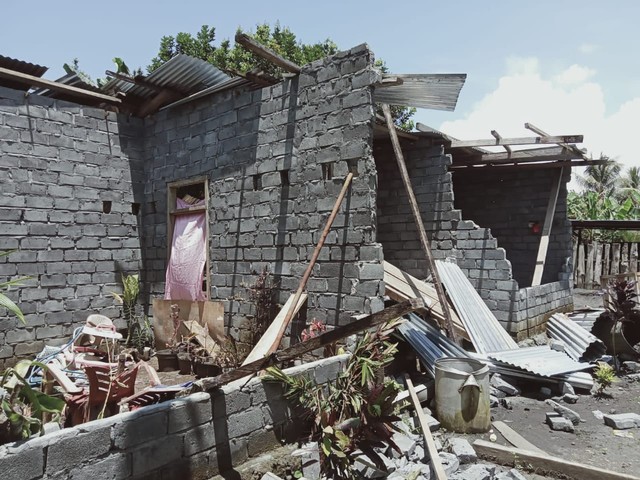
(188, 256)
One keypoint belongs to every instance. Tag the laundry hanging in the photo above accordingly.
(185, 272)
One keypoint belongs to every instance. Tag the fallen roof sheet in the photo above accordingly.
(485, 332)
(71, 79)
(586, 318)
(540, 360)
(433, 91)
(22, 67)
(580, 344)
(428, 342)
(220, 87)
(182, 73)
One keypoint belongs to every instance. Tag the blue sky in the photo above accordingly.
(569, 66)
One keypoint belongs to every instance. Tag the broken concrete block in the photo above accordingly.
(566, 387)
(545, 392)
(405, 443)
(565, 412)
(367, 469)
(557, 345)
(475, 472)
(570, 398)
(506, 403)
(598, 414)
(417, 455)
(512, 474)
(270, 476)
(558, 422)
(498, 383)
(496, 393)
(493, 401)
(631, 366)
(311, 461)
(450, 463)
(622, 421)
(462, 449)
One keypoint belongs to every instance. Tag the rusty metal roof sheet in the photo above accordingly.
(580, 344)
(22, 67)
(181, 73)
(485, 331)
(433, 91)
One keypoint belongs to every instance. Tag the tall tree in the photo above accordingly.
(602, 179)
(236, 60)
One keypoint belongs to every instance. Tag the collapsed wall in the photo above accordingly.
(475, 249)
(274, 161)
(67, 208)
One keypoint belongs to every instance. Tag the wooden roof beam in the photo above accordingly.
(32, 81)
(524, 166)
(505, 142)
(533, 128)
(498, 138)
(253, 46)
(531, 155)
(137, 80)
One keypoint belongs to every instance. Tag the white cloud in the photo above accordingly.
(587, 48)
(569, 103)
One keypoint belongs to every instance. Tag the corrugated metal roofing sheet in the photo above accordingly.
(70, 79)
(580, 345)
(485, 332)
(433, 91)
(231, 83)
(540, 360)
(22, 67)
(182, 73)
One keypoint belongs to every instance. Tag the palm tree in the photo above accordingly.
(631, 180)
(602, 179)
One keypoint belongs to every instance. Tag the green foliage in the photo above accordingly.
(604, 375)
(6, 302)
(139, 331)
(22, 407)
(354, 412)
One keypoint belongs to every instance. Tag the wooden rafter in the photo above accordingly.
(573, 148)
(548, 154)
(30, 80)
(499, 141)
(498, 138)
(526, 166)
(250, 44)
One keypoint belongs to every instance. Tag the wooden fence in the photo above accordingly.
(594, 260)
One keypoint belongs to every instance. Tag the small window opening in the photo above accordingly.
(106, 206)
(327, 171)
(353, 166)
(257, 182)
(191, 194)
(284, 178)
(135, 208)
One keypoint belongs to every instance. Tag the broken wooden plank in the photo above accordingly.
(30, 80)
(327, 338)
(201, 335)
(543, 463)
(417, 217)
(546, 230)
(268, 338)
(573, 148)
(514, 438)
(431, 450)
(314, 257)
(499, 141)
(253, 46)
(400, 286)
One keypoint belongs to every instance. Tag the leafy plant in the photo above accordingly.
(5, 301)
(605, 375)
(356, 411)
(22, 407)
(139, 330)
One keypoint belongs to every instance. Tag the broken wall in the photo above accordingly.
(474, 248)
(66, 206)
(275, 160)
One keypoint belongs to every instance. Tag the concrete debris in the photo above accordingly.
(462, 449)
(631, 366)
(365, 467)
(566, 387)
(566, 412)
(557, 345)
(450, 463)
(570, 398)
(493, 437)
(311, 460)
(417, 455)
(270, 476)
(498, 383)
(623, 433)
(634, 377)
(493, 401)
(407, 444)
(558, 422)
(512, 474)
(598, 414)
(479, 471)
(622, 421)
(506, 403)
(496, 393)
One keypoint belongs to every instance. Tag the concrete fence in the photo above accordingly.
(195, 437)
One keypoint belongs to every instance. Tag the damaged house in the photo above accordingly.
(95, 182)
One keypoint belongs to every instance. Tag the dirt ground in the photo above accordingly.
(587, 298)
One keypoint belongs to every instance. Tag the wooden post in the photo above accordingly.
(432, 450)
(426, 246)
(327, 338)
(546, 231)
(314, 257)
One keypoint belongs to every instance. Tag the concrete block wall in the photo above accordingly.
(507, 202)
(474, 248)
(276, 159)
(195, 437)
(59, 163)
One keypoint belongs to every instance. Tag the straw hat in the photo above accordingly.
(100, 326)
